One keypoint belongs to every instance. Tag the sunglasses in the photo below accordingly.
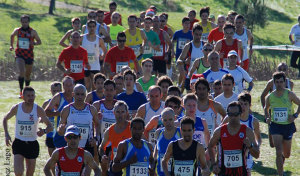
(233, 114)
(121, 41)
(207, 49)
(72, 137)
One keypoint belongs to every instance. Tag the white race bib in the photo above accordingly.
(139, 169)
(147, 50)
(76, 66)
(114, 42)
(69, 173)
(25, 128)
(210, 129)
(160, 52)
(169, 163)
(84, 130)
(280, 114)
(233, 158)
(236, 89)
(106, 123)
(183, 168)
(119, 66)
(204, 37)
(225, 63)
(136, 49)
(24, 43)
(91, 57)
(152, 137)
(181, 43)
(297, 38)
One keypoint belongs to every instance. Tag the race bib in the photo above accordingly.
(136, 49)
(225, 63)
(119, 66)
(297, 38)
(181, 43)
(169, 163)
(233, 158)
(204, 37)
(139, 169)
(160, 52)
(24, 43)
(84, 130)
(52, 122)
(280, 114)
(76, 66)
(210, 129)
(152, 137)
(183, 168)
(69, 173)
(106, 123)
(147, 50)
(91, 57)
(25, 128)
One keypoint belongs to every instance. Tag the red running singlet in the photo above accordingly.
(225, 50)
(66, 165)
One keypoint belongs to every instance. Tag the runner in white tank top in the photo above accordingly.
(244, 39)
(196, 53)
(93, 49)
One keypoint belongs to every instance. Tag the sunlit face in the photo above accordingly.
(164, 87)
(147, 67)
(197, 35)
(214, 60)
(168, 120)
(109, 92)
(115, 18)
(137, 131)
(68, 86)
(190, 107)
(191, 16)
(99, 84)
(174, 106)
(221, 22)
(228, 33)
(92, 16)
(187, 132)
(76, 25)
(129, 81)
(75, 38)
(156, 23)
(91, 28)
(186, 25)
(132, 23)
(119, 84)
(227, 85)
(239, 23)
(204, 16)
(79, 95)
(25, 23)
(55, 89)
(217, 89)
(232, 60)
(72, 141)
(100, 17)
(154, 96)
(279, 83)
(148, 24)
(234, 114)
(29, 97)
(120, 113)
(245, 105)
(112, 8)
(202, 91)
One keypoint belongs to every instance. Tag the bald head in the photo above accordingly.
(167, 112)
(79, 88)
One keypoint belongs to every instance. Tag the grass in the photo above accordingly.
(265, 165)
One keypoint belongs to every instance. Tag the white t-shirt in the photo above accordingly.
(225, 102)
(239, 75)
(296, 32)
(211, 76)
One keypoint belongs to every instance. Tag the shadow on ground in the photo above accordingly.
(262, 170)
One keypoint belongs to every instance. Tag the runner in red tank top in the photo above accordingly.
(235, 140)
(26, 39)
(227, 44)
(71, 159)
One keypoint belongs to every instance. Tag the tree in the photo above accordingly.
(51, 7)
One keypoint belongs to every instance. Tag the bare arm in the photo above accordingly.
(12, 112)
(50, 112)
(219, 108)
(64, 38)
(241, 51)
(250, 42)
(211, 147)
(202, 160)
(266, 109)
(36, 38)
(194, 67)
(88, 158)
(141, 112)
(44, 119)
(95, 121)
(139, 87)
(265, 92)
(166, 158)
(257, 132)
(89, 98)
(252, 145)
(12, 39)
(206, 132)
(117, 164)
(63, 121)
(51, 163)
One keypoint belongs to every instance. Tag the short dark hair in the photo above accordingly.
(204, 10)
(187, 120)
(148, 18)
(132, 16)
(190, 96)
(90, 22)
(174, 99)
(27, 89)
(100, 11)
(234, 104)
(197, 26)
(278, 75)
(118, 76)
(113, 3)
(228, 26)
(75, 19)
(25, 16)
(164, 79)
(147, 60)
(67, 77)
(137, 120)
(184, 19)
(239, 17)
(193, 11)
(55, 84)
(202, 81)
(245, 96)
(109, 82)
(99, 76)
(129, 72)
(174, 88)
(121, 34)
(154, 87)
(228, 76)
(74, 32)
(164, 14)
(217, 82)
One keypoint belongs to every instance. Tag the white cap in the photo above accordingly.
(232, 53)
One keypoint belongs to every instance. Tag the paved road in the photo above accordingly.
(59, 4)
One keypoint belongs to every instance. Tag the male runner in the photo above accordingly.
(26, 39)
(97, 94)
(153, 42)
(192, 16)
(55, 106)
(246, 37)
(164, 136)
(235, 140)
(85, 117)
(231, 16)
(105, 106)
(238, 73)
(25, 146)
(116, 133)
(217, 33)
(217, 89)
(281, 118)
(135, 155)
(119, 56)
(207, 108)
(164, 82)
(75, 58)
(227, 44)
(206, 25)
(190, 53)
(136, 38)
(55, 88)
(250, 121)
(133, 98)
(71, 159)
(295, 30)
(76, 24)
(112, 8)
(115, 28)
(160, 57)
(93, 44)
(186, 152)
(147, 79)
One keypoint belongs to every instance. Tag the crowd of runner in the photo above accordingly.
(119, 111)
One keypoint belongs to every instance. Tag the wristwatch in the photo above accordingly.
(45, 131)
(295, 115)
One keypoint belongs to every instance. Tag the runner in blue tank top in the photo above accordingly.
(134, 155)
(97, 94)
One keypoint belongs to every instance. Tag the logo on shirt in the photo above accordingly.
(145, 158)
(62, 158)
(224, 135)
(31, 117)
(79, 159)
(241, 135)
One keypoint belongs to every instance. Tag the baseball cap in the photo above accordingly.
(72, 129)
(232, 53)
(195, 77)
(150, 12)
